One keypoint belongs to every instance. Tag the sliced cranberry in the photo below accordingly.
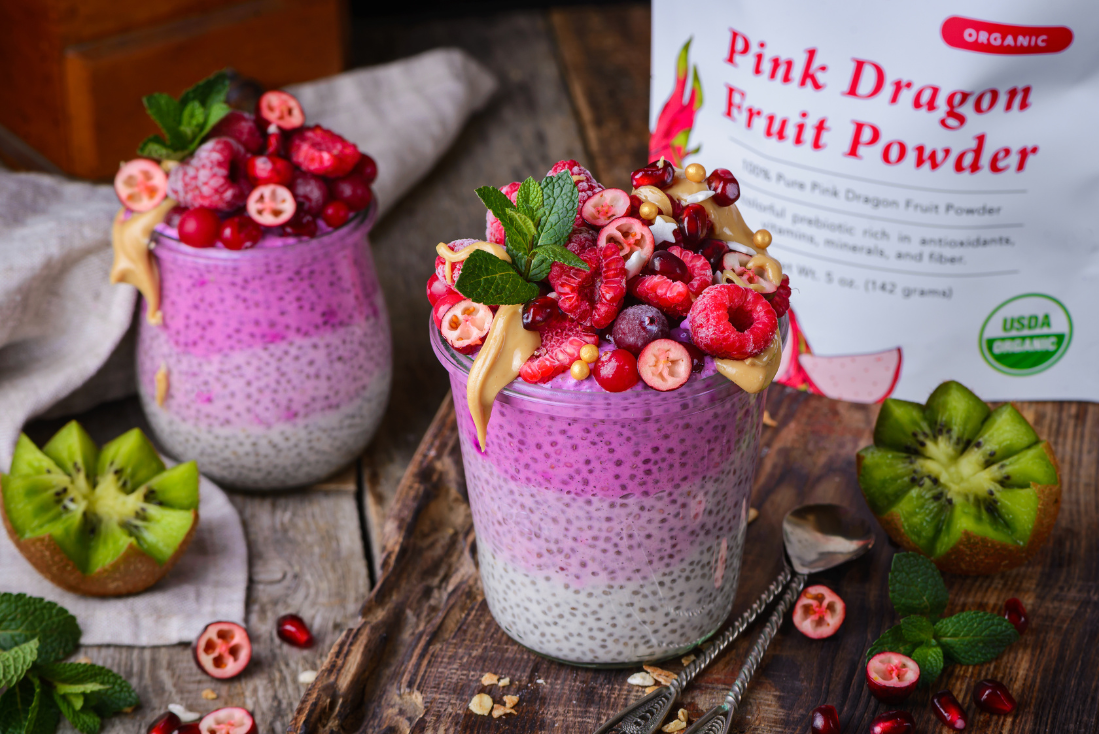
(714, 252)
(724, 185)
(893, 722)
(437, 288)
(825, 720)
(164, 724)
(239, 232)
(282, 109)
(443, 305)
(336, 214)
(271, 205)
(605, 206)
(819, 612)
(269, 169)
(199, 227)
(301, 225)
(659, 174)
(616, 370)
(141, 184)
(293, 630)
(538, 311)
(948, 710)
(664, 365)
(698, 357)
(665, 263)
(695, 225)
(992, 696)
(466, 325)
(230, 720)
(223, 650)
(367, 168)
(1015, 612)
(892, 677)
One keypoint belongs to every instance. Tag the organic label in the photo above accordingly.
(1026, 334)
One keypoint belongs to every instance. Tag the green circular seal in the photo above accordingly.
(1026, 334)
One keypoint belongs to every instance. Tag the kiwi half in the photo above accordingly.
(973, 489)
(99, 522)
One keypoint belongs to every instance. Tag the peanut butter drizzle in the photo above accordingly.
(452, 257)
(771, 266)
(162, 384)
(507, 347)
(133, 263)
(755, 373)
(728, 223)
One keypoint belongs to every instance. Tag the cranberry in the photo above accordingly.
(891, 677)
(714, 252)
(659, 174)
(825, 720)
(301, 225)
(635, 206)
(276, 144)
(665, 263)
(352, 190)
(172, 217)
(239, 232)
(293, 631)
(992, 696)
(616, 370)
(367, 168)
(948, 710)
(437, 288)
(698, 357)
(695, 225)
(223, 650)
(724, 185)
(336, 214)
(269, 169)
(1015, 612)
(199, 227)
(444, 304)
(309, 191)
(538, 311)
(637, 326)
(893, 722)
(165, 724)
(190, 727)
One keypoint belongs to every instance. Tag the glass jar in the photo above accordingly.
(272, 366)
(609, 525)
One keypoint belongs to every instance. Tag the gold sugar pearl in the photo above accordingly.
(589, 353)
(761, 240)
(580, 370)
(648, 210)
(695, 172)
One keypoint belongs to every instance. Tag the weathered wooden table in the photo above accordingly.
(574, 85)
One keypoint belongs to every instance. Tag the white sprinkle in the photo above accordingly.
(662, 231)
(698, 196)
(641, 679)
(184, 715)
(307, 676)
(540, 682)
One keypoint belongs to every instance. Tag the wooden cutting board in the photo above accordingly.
(425, 637)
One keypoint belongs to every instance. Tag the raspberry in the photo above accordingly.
(494, 231)
(581, 240)
(592, 297)
(440, 263)
(732, 322)
(213, 177)
(585, 184)
(323, 152)
(669, 295)
(780, 299)
(562, 340)
(241, 127)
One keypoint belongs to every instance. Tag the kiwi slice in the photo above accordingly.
(976, 490)
(99, 522)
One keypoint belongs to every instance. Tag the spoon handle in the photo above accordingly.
(732, 699)
(727, 637)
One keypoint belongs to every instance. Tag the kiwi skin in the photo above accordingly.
(974, 555)
(130, 573)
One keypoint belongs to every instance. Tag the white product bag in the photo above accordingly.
(931, 181)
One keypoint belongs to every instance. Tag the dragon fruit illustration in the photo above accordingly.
(673, 126)
(856, 378)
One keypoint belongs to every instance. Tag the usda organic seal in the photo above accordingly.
(1026, 334)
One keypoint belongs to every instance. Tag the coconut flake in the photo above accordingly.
(184, 715)
(635, 264)
(307, 676)
(641, 679)
(698, 197)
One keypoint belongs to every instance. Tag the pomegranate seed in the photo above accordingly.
(635, 206)
(1015, 612)
(293, 631)
(724, 185)
(714, 252)
(199, 227)
(665, 263)
(949, 711)
(336, 214)
(893, 722)
(166, 724)
(825, 720)
(695, 225)
(659, 174)
(992, 696)
(538, 311)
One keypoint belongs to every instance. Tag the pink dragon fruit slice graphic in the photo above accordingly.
(790, 372)
(673, 126)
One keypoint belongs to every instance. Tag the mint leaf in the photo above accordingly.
(105, 691)
(560, 201)
(42, 716)
(973, 637)
(155, 147)
(214, 113)
(192, 120)
(207, 92)
(86, 722)
(917, 629)
(528, 200)
(15, 706)
(167, 113)
(15, 663)
(520, 230)
(520, 260)
(489, 280)
(546, 255)
(495, 200)
(929, 656)
(916, 586)
(24, 618)
(892, 640)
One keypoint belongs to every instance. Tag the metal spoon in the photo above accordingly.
(817, 537)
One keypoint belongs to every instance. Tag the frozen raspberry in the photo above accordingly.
(562, 340)
(585, 184)
(440, 263)
(241, 127)
(780, 299)
(732, 322)
(672, 296)
(494, 231)
(592, 297)
(213, 177)
(310, 192)
(323, 152)
(581, 240)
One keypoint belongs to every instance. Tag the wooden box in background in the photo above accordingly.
(72, 72)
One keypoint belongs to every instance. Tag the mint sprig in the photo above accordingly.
(919, 595)
(34, 635)
(536, 228)
(186, 121)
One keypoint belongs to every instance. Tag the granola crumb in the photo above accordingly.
(663, 677)
(490, 679)
(510, 701)
(753, 513)
(682, 715)
(768, 420)
(676, 725)
(687, 659)
(481, 704)
(498, 710)
(641, 679)
(210, 695)
(650, 689)
(505, 682)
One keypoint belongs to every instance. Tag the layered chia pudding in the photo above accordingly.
(610, 403)
(265, 349)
